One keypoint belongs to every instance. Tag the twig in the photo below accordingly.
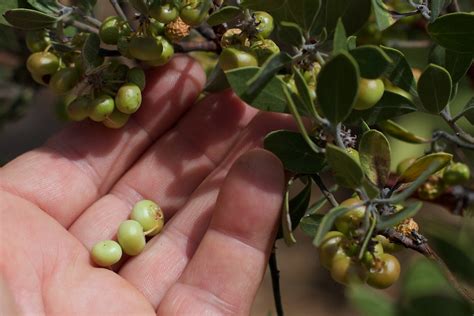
(324, 190)
(81, 26)
(208, 46)
(92, 20)
(275, 273)
(452, 138)
(458, 130)
(207, 32)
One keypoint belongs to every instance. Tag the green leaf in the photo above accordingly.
(269, 98)
(6, 5)
(434, 88)
(338, 83)
(399, 72)
(302, 12)
(469, 111)
(217, 80)
(90, 51)
(390, 106)
(454, 31)
(225, 14)
(294, 152)
(346, 169)
(262, 5)
(437, 160)
(310, 224)
(401, 133)
(265, 74)
(27, 19)
(436, 6)
(290, 33)
(374, 153)
(387, 221)
(372, 60)
(457, 64)
(383, 18)
(340, 38)
(354, 14)
(328, 222)
(370, 302)
(45, 6)
(303, 91)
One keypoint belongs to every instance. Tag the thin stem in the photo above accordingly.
(275, 273)
(452, 138)
(337, 135)
(81, 26)
(367, 237)
(324, 190)
(208, 46)
(92, 20)
(458, 130)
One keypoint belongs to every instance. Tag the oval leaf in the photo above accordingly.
(269, 98)
(383, 18)
(27, 19)
(224, 15)
(374, 152)
(438, 160)
(399, 71)
(294, 152)
(290, 33)
(337, 87)
(434, 88)
(346, 169)
(372, 61)
(454, 31)
(401, 133)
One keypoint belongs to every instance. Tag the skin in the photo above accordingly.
(222, 198)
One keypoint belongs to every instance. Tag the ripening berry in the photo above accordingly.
(106, 253)
(130, 236)
(128, 98)
(116, 120)
(79, 109)
(264, 22)
(149, 215)
(164, 13)
(101, 107)
(370, 92)
(64, 80)
(232, 58)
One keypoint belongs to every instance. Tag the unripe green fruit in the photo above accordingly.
(42, 80)
(330, 247)
(109, 30)
(37, 41)
(387, 245)
(370, 92)
(369, 256)
(234, 38)
(156, 28)
(193, 14)
(101, 107)
(264, 23)
(385, 272)
(404, 164)
(344, 270)
(166, 54)
(79, 109)
(456, 173)
(232, 58)
(64, 80)
(137, 76)
(128, 98)
(263, 49)
(352, 219)
(149, 215)
(130, 236)
(106, 253)
(146, 48)
(116, 120)
(123, 46)
(164, 13)
(42, 63)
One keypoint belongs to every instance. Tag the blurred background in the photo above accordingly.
(30, 114)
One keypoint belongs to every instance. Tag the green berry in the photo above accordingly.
(156, 28)
(263, 49)
(232, 58)
(194, 12)
(137, 76)
(106, 253)
(130, 236)
(344, 270)
(109, 31)
(264, 23)
(456, 173)
(149, 215)
(37, 41)
(330, 247)
(165, 55)
(370, 92)
(101, 107)
(146, 48)
(64, 80)
(79, 109)
(42, 63)
(384, 272)
(128, 98)
(164, 13)
(352, 219)
(116, 120)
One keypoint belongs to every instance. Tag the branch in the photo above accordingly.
(184, 47)
(451, 138)
(324, 190)
(81, 26)
(460, 133)
(275, 273)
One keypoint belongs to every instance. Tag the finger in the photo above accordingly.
(172, 168)
(166, 255)
(82, 162)
(227, 268)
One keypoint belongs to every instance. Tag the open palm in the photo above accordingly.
(221, 201)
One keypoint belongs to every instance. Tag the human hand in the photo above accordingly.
(221, 201)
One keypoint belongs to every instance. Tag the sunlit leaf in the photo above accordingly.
(437, 160)
(401, 133)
